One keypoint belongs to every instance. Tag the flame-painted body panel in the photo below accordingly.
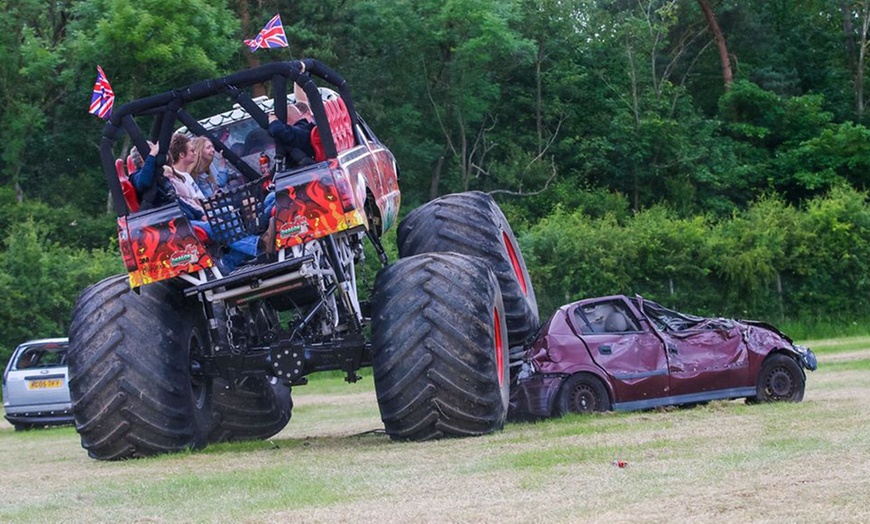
(330, 196)
(162, 244)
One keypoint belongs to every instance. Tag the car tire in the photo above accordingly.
(582, 393)
(255, 409)
(439, 347)
(781, 379)
(472, 224)
(131, 357)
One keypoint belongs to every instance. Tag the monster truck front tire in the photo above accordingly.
(471, 223)
(257, 408)
(439, 347)
(131, 358)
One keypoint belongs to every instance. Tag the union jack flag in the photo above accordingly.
(103, 98)
(270, 36)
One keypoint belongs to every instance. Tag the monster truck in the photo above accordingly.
(176, 354)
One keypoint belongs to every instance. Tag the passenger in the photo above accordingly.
(295, 135)
(210, 170)
(189, 196)
(147, 164)
(183, 158)
(269, 186)
(152, 191)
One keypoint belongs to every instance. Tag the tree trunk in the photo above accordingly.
(436, 177)
(19, 191)
(849, 37)
(252, 58)
(862, 58)
(727, 73)
(538, 99)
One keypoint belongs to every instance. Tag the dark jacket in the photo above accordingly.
(153, 191)
(297, 136)
(144, 176)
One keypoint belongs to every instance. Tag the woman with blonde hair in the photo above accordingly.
(209, 179)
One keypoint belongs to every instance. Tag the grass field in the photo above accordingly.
(723, 462)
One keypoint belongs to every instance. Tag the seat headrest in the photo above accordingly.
(615, 322)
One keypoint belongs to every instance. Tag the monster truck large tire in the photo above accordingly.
(472, 224)
(255, 409)
(130, 363)
(439, 348)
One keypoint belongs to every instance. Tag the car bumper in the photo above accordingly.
(44, 415)
(532, 396)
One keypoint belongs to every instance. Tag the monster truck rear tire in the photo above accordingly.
(130, 363)
(255, 409)
(471, 223)
(439, 348)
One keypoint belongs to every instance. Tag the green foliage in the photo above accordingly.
(772, 261)
(831, 326)
(790, 145)
(572, 256)
(40, 280)
(835, 262)
(839, 154)
(755, 247)
(34, 56)
(65, 225)
(603, 129)
(673, 258)
(147, 46)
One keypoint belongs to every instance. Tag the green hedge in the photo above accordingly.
(773, 261)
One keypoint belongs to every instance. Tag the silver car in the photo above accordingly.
(35, 385)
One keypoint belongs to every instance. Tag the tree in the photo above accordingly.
(145, 46)
(32, 74)
(40, 280)
(727, 74)
(655, 138)
(857, 11)
(470, 38)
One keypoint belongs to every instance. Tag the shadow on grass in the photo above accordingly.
(368, 439)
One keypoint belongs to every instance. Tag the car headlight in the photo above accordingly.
(807, 357)
(526, 371)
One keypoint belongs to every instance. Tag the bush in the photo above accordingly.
(773, 261)
(40, 281)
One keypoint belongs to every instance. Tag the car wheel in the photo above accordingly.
(255, 409)
(439, 348)
(780, 379)
(23, 427)
(472, 224)
(132, 364)
(582, 393)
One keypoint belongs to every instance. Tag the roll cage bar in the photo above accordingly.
(168, 107)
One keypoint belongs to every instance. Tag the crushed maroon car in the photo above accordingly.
(621, 353)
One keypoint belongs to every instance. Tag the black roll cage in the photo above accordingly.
(168, 107)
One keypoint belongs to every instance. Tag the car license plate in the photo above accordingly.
(45, 384)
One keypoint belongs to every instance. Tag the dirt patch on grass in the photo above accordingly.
(836, 342)
(848, 356)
